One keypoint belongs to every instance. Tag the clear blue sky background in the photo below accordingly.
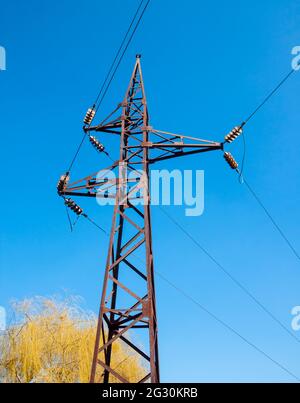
(206, 66)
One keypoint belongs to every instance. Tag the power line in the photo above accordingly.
(229, 275)
(76, 154)
(242, 180)
(213, 316)
(276, 226)
(95, 224)
(240, 172)
(256, 110)
(69, 219)
(228, 327)
(123, 54)
(118, 52)
(268, 97)
(79, 213)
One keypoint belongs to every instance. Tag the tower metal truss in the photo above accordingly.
(128, 303)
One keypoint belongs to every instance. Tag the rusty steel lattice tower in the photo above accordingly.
(128, 298)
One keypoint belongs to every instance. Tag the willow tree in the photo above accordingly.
(52, 341)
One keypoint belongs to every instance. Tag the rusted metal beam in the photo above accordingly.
(122, 309)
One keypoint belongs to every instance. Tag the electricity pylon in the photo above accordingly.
(128, 303)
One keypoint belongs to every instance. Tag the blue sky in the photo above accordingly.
(206, 66)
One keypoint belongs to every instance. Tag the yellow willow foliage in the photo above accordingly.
(53, 342)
